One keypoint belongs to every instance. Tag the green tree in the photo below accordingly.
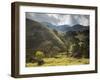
(39, 57)
(39, 54)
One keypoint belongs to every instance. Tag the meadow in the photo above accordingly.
(60, 61)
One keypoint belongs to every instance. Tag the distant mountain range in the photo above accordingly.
(66, 28)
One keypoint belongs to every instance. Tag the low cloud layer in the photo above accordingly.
(59, 19)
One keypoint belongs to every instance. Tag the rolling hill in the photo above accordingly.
(40, 37)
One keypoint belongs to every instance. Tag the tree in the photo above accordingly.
(39, 54)
(39, 57)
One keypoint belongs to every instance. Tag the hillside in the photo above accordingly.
(40, 37)
(51, 41)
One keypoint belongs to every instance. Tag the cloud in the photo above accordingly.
(59, 19)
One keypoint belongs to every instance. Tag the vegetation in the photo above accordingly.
(39, 54)
(60, 60)
(50, 47)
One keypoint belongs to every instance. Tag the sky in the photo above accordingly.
(59, 19)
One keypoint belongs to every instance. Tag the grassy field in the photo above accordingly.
(62, 61)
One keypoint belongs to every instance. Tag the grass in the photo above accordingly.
(61, 61)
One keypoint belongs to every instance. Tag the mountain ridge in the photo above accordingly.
(66, 28)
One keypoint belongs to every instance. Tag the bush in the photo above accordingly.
(39, 54)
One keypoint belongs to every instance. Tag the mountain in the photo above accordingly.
(40, 37)
(79, 27)
(49, 25)
(45, 37)
(66, 28)
(63, 28)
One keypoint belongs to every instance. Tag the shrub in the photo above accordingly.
(39, 54)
